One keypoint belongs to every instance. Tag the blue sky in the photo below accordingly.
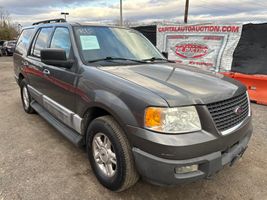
(138, 11)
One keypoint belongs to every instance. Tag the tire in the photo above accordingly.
(26, 97)
(123, 174)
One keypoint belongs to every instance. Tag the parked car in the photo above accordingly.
(8, 47)
(1, 46)
(137, 113)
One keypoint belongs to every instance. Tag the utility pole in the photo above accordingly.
(121, 20)
(65, 15)
(186, 11)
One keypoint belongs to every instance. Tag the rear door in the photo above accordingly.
(22, 49)
(36, 72)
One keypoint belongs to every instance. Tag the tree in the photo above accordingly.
(4, 17)
(8, 29)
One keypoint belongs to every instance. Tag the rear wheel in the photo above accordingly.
(25, 97)
(110, 154)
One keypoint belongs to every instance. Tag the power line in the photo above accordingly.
(223, 7)
(219, 7)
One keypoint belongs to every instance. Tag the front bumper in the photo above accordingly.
(161, 171)
(157, 155)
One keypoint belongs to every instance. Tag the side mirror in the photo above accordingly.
(55, 57)
(165, 54)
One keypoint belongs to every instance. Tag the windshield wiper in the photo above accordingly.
(115, 58)
(155, 59)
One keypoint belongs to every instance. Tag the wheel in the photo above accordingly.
(110, 154)
(25, 97)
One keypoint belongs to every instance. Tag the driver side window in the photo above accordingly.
(61, 40)
(41, 41)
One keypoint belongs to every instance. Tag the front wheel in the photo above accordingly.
(25, 97)
(110, 154)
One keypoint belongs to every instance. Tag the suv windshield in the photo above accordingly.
(96, 44)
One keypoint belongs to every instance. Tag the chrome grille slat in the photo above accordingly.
(228, 111)
(223, 112)
(229, 101)
(229, 120)
(227, 114)
(226, 105)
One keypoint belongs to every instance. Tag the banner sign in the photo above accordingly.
(205, 46)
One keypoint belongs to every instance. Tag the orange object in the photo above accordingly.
(256, 84)
(153, 117)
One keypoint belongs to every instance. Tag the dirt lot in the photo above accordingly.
(36, 162)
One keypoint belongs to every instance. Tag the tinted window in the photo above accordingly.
(61, 39)
(24, 41)
(41, 41)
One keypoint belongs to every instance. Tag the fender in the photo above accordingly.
(115, 106)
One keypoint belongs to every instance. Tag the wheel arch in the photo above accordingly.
(108, 104)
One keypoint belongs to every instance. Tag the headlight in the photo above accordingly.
(172, 120)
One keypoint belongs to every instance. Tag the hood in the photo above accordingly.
(178, 84)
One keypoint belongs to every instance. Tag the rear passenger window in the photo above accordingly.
(61, 39)
(41, 41)
(24, 41)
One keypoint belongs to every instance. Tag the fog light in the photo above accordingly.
(186, 169)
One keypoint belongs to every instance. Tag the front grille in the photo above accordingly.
(224, 112)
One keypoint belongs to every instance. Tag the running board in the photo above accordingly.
(70, 134)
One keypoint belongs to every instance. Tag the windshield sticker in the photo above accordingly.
(89, 42)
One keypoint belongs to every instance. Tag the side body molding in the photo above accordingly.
(103, 99)
(65, 115)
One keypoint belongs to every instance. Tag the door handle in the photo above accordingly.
(46, 72)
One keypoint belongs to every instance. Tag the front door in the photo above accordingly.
(60, 97)
(63, 80)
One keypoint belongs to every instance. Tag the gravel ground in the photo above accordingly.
(36, 162)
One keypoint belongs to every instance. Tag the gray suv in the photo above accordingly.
(137, 113)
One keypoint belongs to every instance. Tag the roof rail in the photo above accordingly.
(59, 20)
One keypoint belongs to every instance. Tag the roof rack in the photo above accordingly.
(59, 20)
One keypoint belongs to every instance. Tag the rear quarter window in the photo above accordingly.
(23, 42)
